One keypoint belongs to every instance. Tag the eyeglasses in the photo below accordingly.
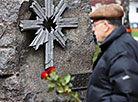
(94, 25)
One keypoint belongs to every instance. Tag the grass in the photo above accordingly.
(134, 32)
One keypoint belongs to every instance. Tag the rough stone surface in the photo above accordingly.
(10, 89)
(21, 66)
(7, 55)
(76, 57)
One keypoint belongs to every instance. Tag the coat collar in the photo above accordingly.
(114, 35)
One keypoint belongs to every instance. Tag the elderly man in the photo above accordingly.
(115, 71)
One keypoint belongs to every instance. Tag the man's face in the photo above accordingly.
(98, 29)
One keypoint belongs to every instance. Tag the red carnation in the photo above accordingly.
(44, 75)
(47, 72)
(51, 69)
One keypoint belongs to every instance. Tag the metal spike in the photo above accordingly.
(46, 36)
(37, 38)
(46, 55)
(68, 25)
(52, 9)
(52, 37)
(60, 12)
(40, 41)
(60, 39)
(52, 46)
(47, 52)
(67, 20)
(57, 8)
(62, 35)
(38, 31)
(32, 43)
(46, 8)
(38, 10)
(49, 8)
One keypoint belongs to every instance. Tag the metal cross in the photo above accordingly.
(48, 24)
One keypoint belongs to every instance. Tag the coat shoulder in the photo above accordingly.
(124, 45)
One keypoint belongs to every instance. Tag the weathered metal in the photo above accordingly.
(38, 10)
(46, 34)
(30, 24)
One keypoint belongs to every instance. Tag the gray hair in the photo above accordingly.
(115, 22)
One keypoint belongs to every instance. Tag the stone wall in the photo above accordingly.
(10, 40)
(21, 66)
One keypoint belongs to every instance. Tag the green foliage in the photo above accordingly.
(67, 78)
(50, 89)
(62, 85)
(54, 75)
(96, 53)
(72, 78)
(51, 84)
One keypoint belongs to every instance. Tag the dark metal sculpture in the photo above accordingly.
(48, 24)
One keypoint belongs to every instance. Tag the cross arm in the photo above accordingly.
(67, 22)
(30, 24)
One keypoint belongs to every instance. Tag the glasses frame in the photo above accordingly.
(94, 25)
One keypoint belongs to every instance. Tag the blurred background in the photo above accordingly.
(130, 19)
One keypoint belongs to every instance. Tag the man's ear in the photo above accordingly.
(107, 26)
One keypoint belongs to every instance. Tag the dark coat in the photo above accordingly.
(115, 72)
